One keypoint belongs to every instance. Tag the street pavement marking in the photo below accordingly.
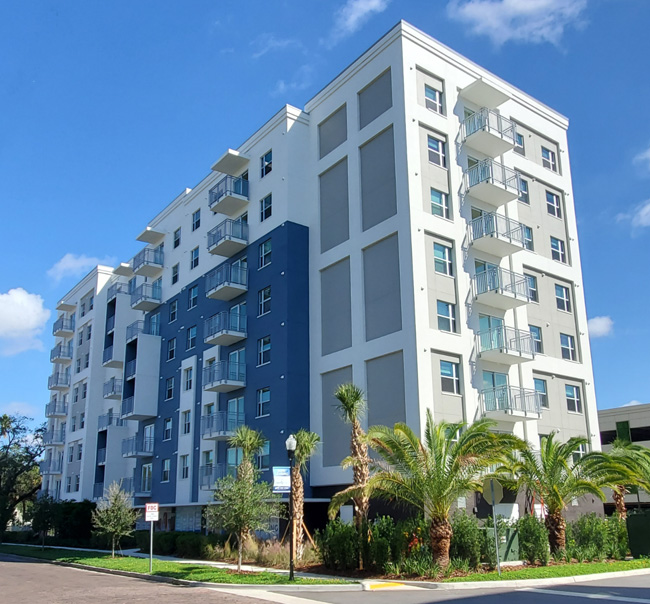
(267, 596)
(592, 596)
(385, 585)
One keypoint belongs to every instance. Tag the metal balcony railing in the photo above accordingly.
(110, 323)
(107, 355)
(496, 225)
(500, 280)
(209, 474)
(148, 255)
(225, 321)
(143, 487)
(137, 445)
(126, 484)
(221, 422)
(51, 466)
(222, 371)
(101, 456)
(226, 273)
(507, 340)
(229, 185)
(127, 406)
(98, 490)
(54, 437)
(63, 324)
(109, 419)
(228, 229)
(56, 408)
(511, 399)
(129, 370)
(117, 288)
(492, 172)
(146, 291)
(491, 121)
(58, 379)
(113, 387)
(61, 351)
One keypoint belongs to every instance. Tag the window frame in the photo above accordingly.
(188, 378)
(263, 456)
(437, 153)
(196, 220)
(434, 104)
(574, 399)
(167, 429)
(262, 409)
(563, 301)
(549, 162)
(194, 258)
(519, 148)
(262, 301)
(192, 297)
(185, 467)
(558, 253)
(569, 352)
(166, 467)
(534, 289)
(177, 238)
(448, 317)
(524, 191)
(173, 310)
(169, 388)
(266, 207)
(175, 271)
(453, 379)
(553, 204)
(191, 337)
(527, 237)
(171, 349)
(543, 392)
(265, 253)
(264, 351)
(538, 342)
(186, 416)
(266, 163)
(446, 261)
(444, 210)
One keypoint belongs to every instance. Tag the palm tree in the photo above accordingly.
(431, 474)
(352, 407)
(306, 444)
(251, 443)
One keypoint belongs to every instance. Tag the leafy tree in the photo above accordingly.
(306, 444)
(19, 476)
(241, 506)
(44, 514)
(250, 442)
(115, 516)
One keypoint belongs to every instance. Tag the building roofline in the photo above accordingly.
(84, 281)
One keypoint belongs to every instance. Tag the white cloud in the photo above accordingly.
(73, 265)
(599, 327)
(268, 42)
(301, 79)
(643, 159)
(22, 319)
(639, 217)
(533, 21)
(20, 408)
(351, 17)
(633, 404)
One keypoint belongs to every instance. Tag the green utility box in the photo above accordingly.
(508, 544)
(638, 532)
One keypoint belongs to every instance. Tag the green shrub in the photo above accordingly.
(533, 540)
(488, 549)
(590, 533)
(339, 545)
(619, 545)
(380, 553)
(19, 537)
(409, 535)
(164, 543)
(466, 539)
(190, 545)
(142, 541)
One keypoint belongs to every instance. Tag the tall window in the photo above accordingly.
(265, 253)
(191, 337)
(573, 401)
(186, 419)
(442, 259)
(171, 349)
(177, 237)
(194, 258)
(175, 274)
(89, 332)
(193, 296)
(266, 207)
(264, 456)
(558, 250)
(84, 390)
(166, 470)
(173, 310)
(540, 388)
(266, 163)
(449, 377)
(169, 388)
(524, 196)
(439, 203)
(154, 324)
(167, 429)
(531, 282)
(528, 238)
(433, 99)
(548, 159)
(188, 375)
(196, 219)
(553, 204)
(264, 301)
(263, 402)
(80, 449)
(146, 478)
(536, 333)
(519, 144)
(264, 350)
(185, 466)
(568, 347)
(446, 316)
(437, 153)
(562, 298)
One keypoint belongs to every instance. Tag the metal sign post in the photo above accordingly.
(496, 530)
(493, 494)
(151, 514)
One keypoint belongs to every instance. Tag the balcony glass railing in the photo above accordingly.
(98, 490)
(147, 292)
(110, 323)
(229, 185)
(492, 172)
(511, 398)
(501, 280)
(506, 339)
(137, 444)
(224, 371)
(226, 274)
(56, 408)
(63, 324)
(61, 351)
(52, 437)
(497, 225)
(109, 419)
(51, 466)
(225, 321)
(58, 379)
(113, 387)
(127, 406)
(209, 474)
(116, 288)
(221, 422)
(491, 121)
(101, 456)
(148, 256)
(129, 370)
(107, 355)
(228, 229)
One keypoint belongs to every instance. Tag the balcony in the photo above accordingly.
(510, 403)
(489, 132)
(137, 446)
(226, 282)
(224, 376)
(56, 409)
(129, 370)
(109, 419)
(497, 235)
(110, 324)
(209, 474)
(136, 328)
(98, 490)
(500, 288)
(116, 288)
(126, 484)
(54, 437)
(483, 94)
(492, 182)
(101, 456)
(61, 353)
(225, 328)
(108, 358)
(142, 488)
(113, 388)
(148, 262)
(228, 238)
(51, 466)
(220, 425)
(63, 327)
(58, 381)
(139, 410)
(231, 162)
(146, 297)
(505, 345)
(230, 196)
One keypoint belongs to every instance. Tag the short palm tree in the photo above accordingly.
(306, 444)
(431, 474)
(251, 443)
(352, 407)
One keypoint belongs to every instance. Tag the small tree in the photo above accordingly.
(306, 444)
(115, 516)
(44, 512)
(241, 506)
(250, 442)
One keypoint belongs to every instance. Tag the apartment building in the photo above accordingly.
(412, 230)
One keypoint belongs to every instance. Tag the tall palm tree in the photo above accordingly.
(352, 407)
(251, 443)
(431, 474)
(306, 444)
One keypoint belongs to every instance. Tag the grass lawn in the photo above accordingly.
(175, 570)
(556, 570)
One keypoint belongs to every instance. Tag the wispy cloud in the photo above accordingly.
(600, 327)
(533, 21)
(643, 159)
(268, 43)
(73, 265)
(22, 319)
(20, 408)
(638, 217)
(351, 17)
(302, 79)
(633, 403)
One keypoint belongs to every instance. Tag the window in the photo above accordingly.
(519, 144)
(436, 151)
(187, 417)
(264, 301)
(146, 478)
(524, 197)
(177, 237)
(442, 259)
(169, 388)
(528, 238)
(266, 207)
(154, 324)
(577, 454)
(68, 484)
(264, 350)
(175, 274)
(84, 390)
(76, 482)
(86, 360)
(185, 467)
(73, 424)
(536, 333)
(75, 395)
(446, 316)
(264, 456)
(71, 453)
(77, 367)
(439, 204)
(166, 467)
(191, 337)
(80, 449)
(433, 99)
(188, 378)
(562, 298)
(568, 346)
(171, 349)
(194, 258)
(263, 402)
(82, 421)
(573, 402)
(91, 303)
(553, 204)
(173, 310)
(540, 388)
(196, 219)
(531, 282)
(89, 332)
(449, 378)
(167, 429)
(558, 250)
(266, 163)
(548, 159)
(192, 297)
(265, 253)
(80, 341)
(83, 309)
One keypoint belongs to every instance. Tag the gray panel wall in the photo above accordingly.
(334, 212)
(332, 131)
(336, 433)
(375, 98)
(336, 308)
(381, 286)
(378, 189)
(386, 404)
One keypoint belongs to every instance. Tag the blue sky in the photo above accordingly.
(108, 110)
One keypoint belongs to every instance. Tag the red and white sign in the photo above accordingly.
(151, 512)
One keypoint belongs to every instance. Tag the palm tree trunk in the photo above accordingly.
(618, 495)
(245, 470)
(556, 527)
(298, 496)
(240, 550)
(440, 533)
(360, 471)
